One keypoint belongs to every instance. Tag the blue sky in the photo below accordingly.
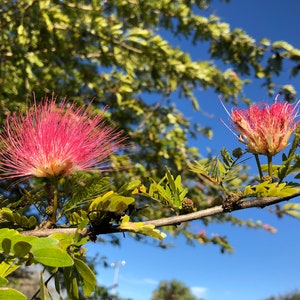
(263, 264)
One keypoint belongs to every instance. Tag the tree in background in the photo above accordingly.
(114, 53)
(172, 290)
(288, 296)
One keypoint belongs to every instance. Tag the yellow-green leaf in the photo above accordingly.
(140, 227)
(87, 275)
(9, 293)
(52, 257)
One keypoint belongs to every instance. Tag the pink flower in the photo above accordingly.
(202, 233)
(269, 228)
(265, 129)
(53, 140)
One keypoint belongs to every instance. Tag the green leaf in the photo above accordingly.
(129, 187)
(77, 217)
(9, 293)
(57, 283)
(7, 214)
(266, 189)
(71, 284)
(164, 193)
(41, 243)
(32, 221)
(87, 275)
(6, 245)
(65, 240)
(8, 266)
(53, 257)
(98, 203)
(21, 248)
(292, 209)
(42, 288)
(3, 281)
(111, 202)
(171, 180)
(140, 227)
(202, 168)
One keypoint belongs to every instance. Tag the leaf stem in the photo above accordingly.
(55, 200)
(270, 166)
(292, 152)
(258, 166)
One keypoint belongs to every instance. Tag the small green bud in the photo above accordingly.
(237, 152)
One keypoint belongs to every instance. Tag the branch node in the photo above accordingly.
(232, 201)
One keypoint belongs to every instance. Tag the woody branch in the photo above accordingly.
(259, 202)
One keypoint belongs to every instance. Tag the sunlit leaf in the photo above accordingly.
(47, 242)
(140, 227)
(8, 266)
(9, 293)
(53, 257)
(111, 202)
(87, 275)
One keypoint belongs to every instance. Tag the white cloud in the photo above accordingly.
(151, 281)
(139, 281)
(199, 291)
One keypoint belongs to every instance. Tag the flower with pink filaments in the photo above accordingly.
(55, 140)
(265, 129)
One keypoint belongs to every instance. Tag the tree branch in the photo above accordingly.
(239, 205)
(258, 202)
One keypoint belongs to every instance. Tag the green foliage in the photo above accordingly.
(295, 295)
(111, 202)
(80, 188)
(14, 219)
(110, 209)
(266, 189)
(168, 191)
(292, 209)
(58, 251)
(220, 174)
(114, 50)
(17, 249)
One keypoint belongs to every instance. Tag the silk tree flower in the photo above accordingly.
(265, 129)
(55, 140)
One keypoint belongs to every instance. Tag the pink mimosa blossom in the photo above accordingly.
(265, 129)
(53, 140)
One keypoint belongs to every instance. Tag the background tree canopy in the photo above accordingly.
(172, 290)
(116, 53)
